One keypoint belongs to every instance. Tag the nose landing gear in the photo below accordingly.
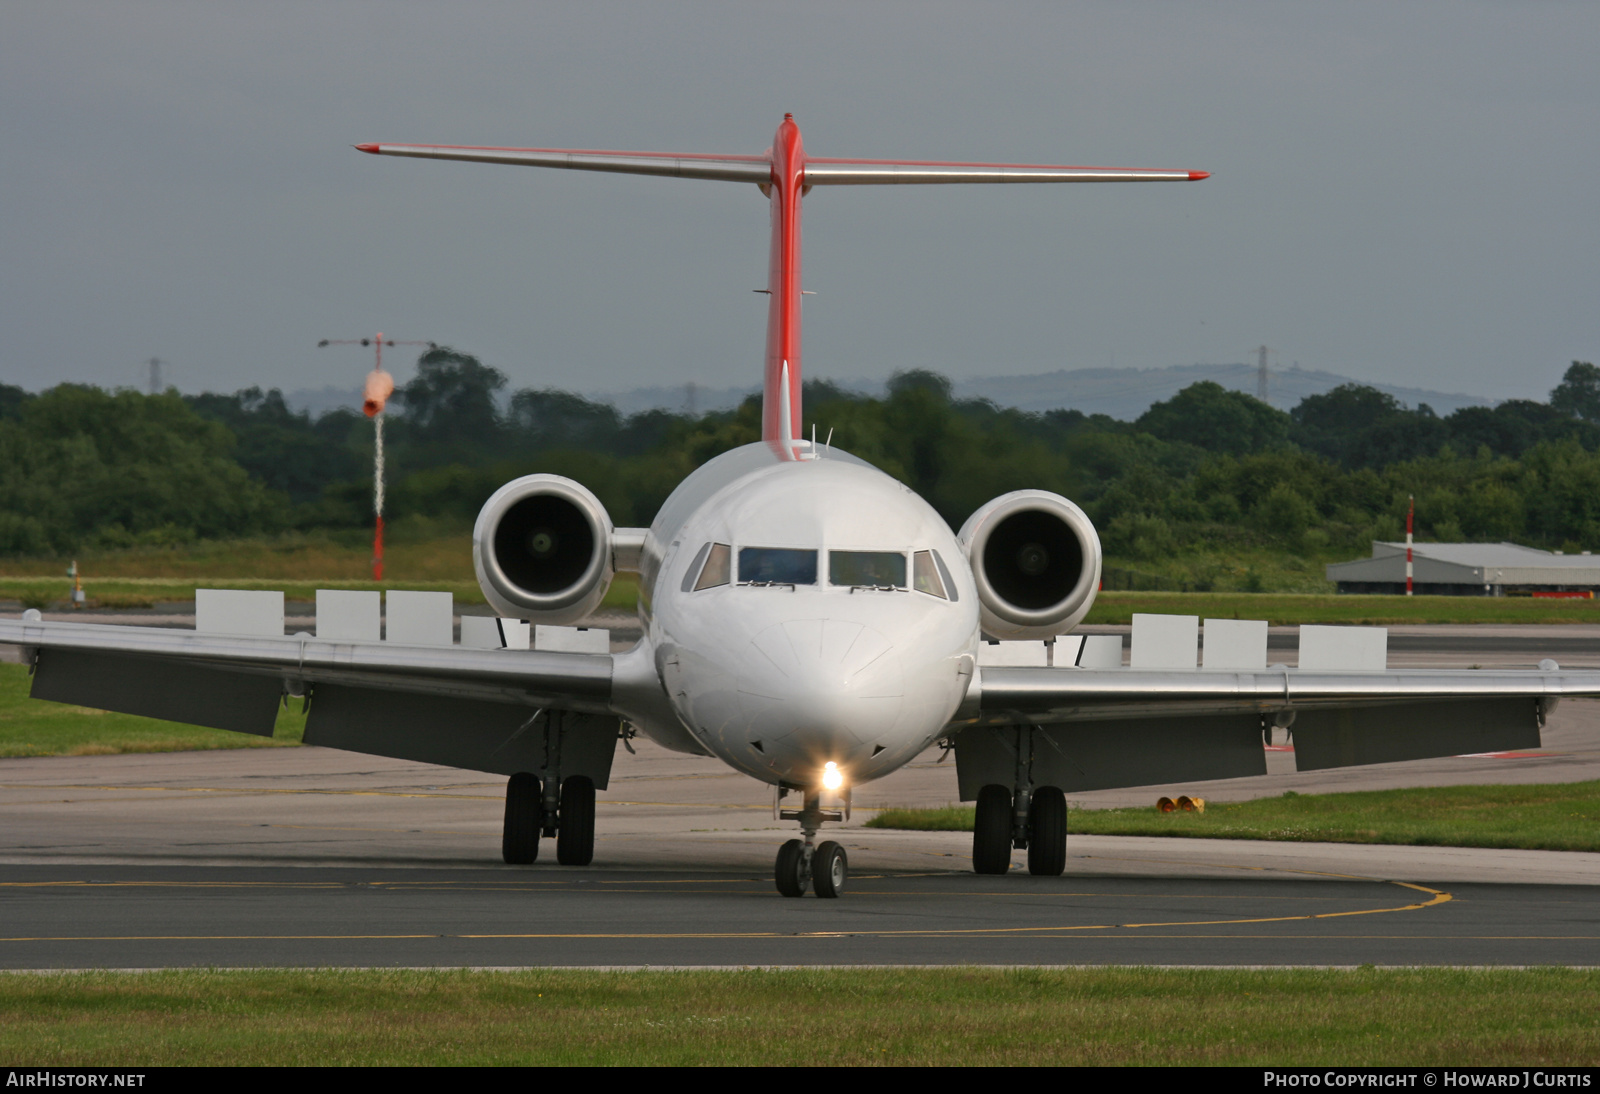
(801, 863)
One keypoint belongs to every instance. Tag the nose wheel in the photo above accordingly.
(826, 871)
(829, 868)
(802, 865)
(792, 872)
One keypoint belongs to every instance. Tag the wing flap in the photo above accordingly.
(1080, 756)
(501, 738)
(1351, 737)
(172, 691)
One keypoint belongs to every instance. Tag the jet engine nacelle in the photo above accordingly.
(542, 550)
(1036, 559)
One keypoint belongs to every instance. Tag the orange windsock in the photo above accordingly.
(380, 385)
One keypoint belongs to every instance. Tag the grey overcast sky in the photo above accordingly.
(1401, 192)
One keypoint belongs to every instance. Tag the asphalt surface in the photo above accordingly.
(310, 856)
(216, 916)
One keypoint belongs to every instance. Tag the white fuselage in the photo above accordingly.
(778, 677)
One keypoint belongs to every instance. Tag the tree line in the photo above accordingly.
(83, 467)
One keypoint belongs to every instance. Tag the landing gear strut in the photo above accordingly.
(533, 808)
(1022, 816)
(802, 864)
(998, 828)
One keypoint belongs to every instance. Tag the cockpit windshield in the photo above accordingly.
(777, 566)
(717, 557)
(927, 577)
(874, 569)
(796, 566)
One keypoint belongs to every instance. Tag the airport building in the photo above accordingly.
(1469, 569)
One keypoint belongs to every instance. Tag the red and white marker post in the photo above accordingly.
(379, 386)
(1411, 511)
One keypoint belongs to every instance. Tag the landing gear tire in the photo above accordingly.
(991, 831)
(519, 840)
(790, 871)
(829, 868)
(575, 836)
(1047, 844)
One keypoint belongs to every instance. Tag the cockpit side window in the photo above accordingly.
(719, 557)
(693, 570)
(944, 573)
(874, 569)
(925, 576)
(777, 566)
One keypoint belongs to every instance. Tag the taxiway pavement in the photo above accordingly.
(317, 857)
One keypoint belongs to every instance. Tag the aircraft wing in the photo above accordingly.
(1101, 728)
(481, 709)
(819, 171)
(1034, 694)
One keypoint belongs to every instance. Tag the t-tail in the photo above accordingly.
(785, 174)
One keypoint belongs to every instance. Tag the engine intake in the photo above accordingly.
(542, 550)
(1036, 559)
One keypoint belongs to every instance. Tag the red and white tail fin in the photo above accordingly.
(785, 174)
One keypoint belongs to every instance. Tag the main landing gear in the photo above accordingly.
(565, 812)
(1036, 820)
(803, 864)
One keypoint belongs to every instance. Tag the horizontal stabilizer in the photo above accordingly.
(835, 172)
(756, 169)
(815, 171)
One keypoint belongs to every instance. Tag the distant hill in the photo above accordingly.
(1123, 393)
(1126, 393)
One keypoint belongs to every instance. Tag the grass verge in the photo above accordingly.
(1544, 817)
(50, 593)
(425, 557)
(33, 727)
(1288, 609)
(1365, 1017)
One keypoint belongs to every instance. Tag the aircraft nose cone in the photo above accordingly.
(836, 682)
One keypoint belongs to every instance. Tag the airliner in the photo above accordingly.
(806, 619)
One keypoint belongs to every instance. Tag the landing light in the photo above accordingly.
(832, 777)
